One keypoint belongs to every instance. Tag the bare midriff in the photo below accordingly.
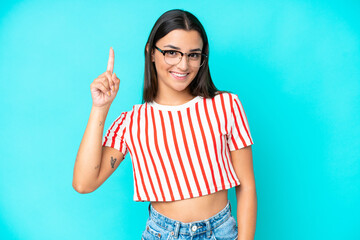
(193, 209)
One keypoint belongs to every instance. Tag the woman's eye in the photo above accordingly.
(171, 53)
(194, 55)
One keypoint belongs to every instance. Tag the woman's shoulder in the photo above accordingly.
(228, 100)
(226, 95)
(135, 109)
(132, 108)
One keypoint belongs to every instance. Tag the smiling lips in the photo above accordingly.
(179, 75)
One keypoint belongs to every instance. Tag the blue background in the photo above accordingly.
(294, 64)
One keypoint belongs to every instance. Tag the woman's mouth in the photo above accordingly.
(180, 76)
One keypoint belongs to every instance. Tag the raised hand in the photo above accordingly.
(105, 87)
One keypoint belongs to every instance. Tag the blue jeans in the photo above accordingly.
(221, 226)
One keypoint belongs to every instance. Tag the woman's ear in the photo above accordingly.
(152, 52)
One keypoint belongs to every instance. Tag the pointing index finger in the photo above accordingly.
(110, 66)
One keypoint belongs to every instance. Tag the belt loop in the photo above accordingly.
(176, 231)
(208, 229)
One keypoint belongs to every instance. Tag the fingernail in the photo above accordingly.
(113, 88)
(109, 93)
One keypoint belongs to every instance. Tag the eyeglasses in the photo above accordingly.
(173, 57)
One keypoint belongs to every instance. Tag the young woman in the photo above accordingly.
(189, 143)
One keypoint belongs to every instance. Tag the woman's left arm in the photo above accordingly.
(245, 193)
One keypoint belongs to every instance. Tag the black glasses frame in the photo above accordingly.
(182, 54)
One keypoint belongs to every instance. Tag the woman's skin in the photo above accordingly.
(94, 163)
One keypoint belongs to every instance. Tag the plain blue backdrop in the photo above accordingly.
(295, 66)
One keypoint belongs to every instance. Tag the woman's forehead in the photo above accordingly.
(182, 39)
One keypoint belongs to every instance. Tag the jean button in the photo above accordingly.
(193, 228)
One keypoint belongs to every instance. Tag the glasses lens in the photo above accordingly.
(196, 61)
(172, 57)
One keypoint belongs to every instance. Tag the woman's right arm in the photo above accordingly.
(95, 163)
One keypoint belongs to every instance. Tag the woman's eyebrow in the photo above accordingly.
(192, 50)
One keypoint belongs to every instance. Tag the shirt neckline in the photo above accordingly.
(175, 107)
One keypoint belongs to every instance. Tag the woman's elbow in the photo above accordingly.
(81, 188)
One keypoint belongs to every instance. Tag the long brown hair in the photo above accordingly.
(202, 85)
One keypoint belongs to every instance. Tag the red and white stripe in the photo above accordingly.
(182, 152)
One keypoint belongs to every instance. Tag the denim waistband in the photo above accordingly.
(191, 228)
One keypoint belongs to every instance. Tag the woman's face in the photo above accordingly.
(183, 41)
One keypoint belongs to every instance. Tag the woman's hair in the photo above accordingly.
(202, 84)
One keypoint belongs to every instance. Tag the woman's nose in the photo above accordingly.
(183, 64)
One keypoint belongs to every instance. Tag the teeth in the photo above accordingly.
(180, 75)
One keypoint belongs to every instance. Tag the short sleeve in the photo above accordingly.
(239, 135)
(115, 135)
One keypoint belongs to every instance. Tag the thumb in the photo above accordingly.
(115, 78)
(113, 84)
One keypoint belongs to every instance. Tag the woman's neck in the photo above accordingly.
(173, 100)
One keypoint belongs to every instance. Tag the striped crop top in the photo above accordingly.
(181, 151)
